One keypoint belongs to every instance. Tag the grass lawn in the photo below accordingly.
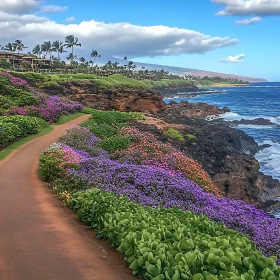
(67, 118)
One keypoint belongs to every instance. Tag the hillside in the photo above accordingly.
(186, 71)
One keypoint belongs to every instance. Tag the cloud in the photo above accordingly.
(234, 59)
(69, 19)
(115, 39)
(53, 9)
(248, 21)
(19, 6)
(249, 7)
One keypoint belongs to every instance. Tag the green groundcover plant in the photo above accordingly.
(172, 244)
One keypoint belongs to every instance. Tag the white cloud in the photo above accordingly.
(234, 59)
(249, 7)
(248, 21)
(53, 9)
(69, 19)
(115, 39)
(19, 6)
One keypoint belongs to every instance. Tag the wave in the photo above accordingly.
(255, 126)
(231, 116)
(270, 158)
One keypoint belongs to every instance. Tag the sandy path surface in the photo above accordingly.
(39, 238)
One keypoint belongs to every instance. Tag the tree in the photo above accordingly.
(82, 60)
(125, 59)
(72, 58)
(71, 42)
(19, 46)
(94, 54)
(47, 48)
(4, 64)
(37, 51)
(11, 48)
(58, 47)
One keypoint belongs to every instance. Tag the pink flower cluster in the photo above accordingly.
(50, 108)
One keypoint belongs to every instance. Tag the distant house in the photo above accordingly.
(25, 62)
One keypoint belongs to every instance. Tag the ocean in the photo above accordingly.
(260, 100)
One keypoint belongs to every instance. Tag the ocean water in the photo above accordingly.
(261, 100)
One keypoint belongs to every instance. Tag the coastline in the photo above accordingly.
(222, 85)
(227, 153)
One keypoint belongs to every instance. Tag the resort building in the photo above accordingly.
(23, 62)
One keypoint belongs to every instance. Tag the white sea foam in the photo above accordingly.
(231, 116)
(270, 158)
(254, 126)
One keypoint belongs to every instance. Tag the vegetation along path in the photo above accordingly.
(41, 239)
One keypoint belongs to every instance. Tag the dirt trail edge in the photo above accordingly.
(39, 238)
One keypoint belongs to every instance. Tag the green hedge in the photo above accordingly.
(172, 244)
(14, 127)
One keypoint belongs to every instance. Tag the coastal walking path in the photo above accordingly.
(40, 239)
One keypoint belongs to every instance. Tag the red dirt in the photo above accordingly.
(40, 239)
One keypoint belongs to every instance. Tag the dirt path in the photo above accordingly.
(39, 238)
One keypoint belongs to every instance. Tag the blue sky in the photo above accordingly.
(259, 42)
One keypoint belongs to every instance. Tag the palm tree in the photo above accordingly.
(11, 48)
(47, 47)
(82, 60)
(19, 46)
(58, 47)
(37, 51)
(95, 54)
(71, 58)
(71, 42)
(125, 58)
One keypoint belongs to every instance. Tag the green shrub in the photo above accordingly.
(172, 244)
(9, 132)
(14, 127)
(191, 136)
(27, 125)
(103, 130)
(115, 143)
(174, 134)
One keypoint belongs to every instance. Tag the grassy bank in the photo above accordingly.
(8, 150)
(67, 118)
(42, 80)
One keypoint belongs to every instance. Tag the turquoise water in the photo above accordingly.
(260, 100)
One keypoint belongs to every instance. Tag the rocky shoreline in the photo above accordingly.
(225, 152)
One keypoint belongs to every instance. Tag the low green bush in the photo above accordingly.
(174, 134)
(27, 125)
(102, 130)
(115, 143)
(191, 136)
(9, 132)
(170, 244)
(14, 127)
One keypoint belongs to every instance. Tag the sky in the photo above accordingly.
(228, 36)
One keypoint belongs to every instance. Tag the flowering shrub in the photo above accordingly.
(23, 99)
(171, 244)
(146, 149)
(82, 140)
(55, 160)
(152, 186)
